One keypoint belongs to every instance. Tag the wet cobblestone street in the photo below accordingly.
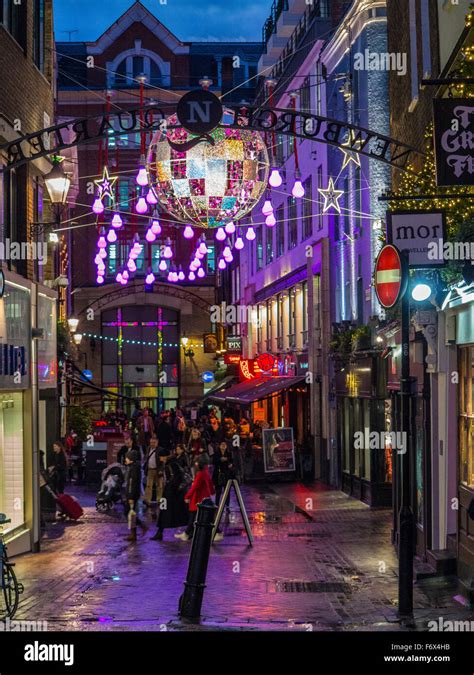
(325, 569)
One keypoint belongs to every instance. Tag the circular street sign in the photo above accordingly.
(207, 376)
(390, 276)
(200, 111)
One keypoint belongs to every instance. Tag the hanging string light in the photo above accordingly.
(298, 189)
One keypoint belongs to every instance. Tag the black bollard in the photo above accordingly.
(191, 600)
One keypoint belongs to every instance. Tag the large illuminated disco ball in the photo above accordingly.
(208, 185)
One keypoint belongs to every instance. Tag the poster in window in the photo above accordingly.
(278, 450)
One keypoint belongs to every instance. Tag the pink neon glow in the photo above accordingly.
(270, 220)
(226, 252)
(101, 268)
(141, 206)
(230, 228)
(131, 265)
(188, 232)
(267, 208)
(222, 264)
(181, 276)
(298, 190)
(203, 248)
(239, 244)
(197, 262)
(150, 236)
(117, 221)
(163, 266)
(275, 178)
(199, 255)
(150, 279)
(124, 281)
(193, 267)
(98, 260)
(250, 236)
(220, 234)
(142, 177)
(168, 253)
(133, 254)
(125, 275)
(101, 242)
(98, 206)
(151, 197)
(102, 253)
(111, 237)
(119, 278)
(191, 276)
(100, 279)
(201, 273)
(155, 227)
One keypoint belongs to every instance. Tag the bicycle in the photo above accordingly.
(10, 588)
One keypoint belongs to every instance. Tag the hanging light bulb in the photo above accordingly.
(275, 179)
(155, 227)
(131, 265)
(267, 208)
(181, 275)
(298, 189)
(119, 278)
(270, 220)
(151, 197)
(197, 262)
(239, 243)
(188, 232)
(250, 235)
(101, 242)
(163, 266)
(203, 247)
(117, 221)
(101, 266)
(126, 275)
(124, 281)
(191, 276)
(100, 279)
(141, 206)
(111, 237)
(98, 206)
(226, 252)
(98, 260)
(222, 264)
(150, 236)
(193, 267)
(230, 228)
(220, 234)
(102, 253)
(201, 273)
(150, 279)
(168, 253)
(142, 175)
(229, 258)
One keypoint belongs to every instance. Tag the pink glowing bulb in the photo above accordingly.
(250, 236)
(168, 253)
(151, 197)
(131, 265)
(102, 253)
(98, 206)
(188, 232)
(100, 279)
(275, 178)
(142, 177)
(298, 190)
(197, 262)
(101, 242)
(124, 281)
(163, 266)
(222, 264)
(191, 276)
(181, 276)
(203, 248)
(100, 268)
(199, 255)
(201, 273)
(133, 255)
(119, 278)
(193, 267)
(141, 206)
(126, 275)
(270, 220)
(229, 258)
(98, 260)
(226, 252)
(117, 221)
(267, 208)
(111, 237)
(155, 227)
(220, 234)
(150, 236)
(170, 277)
(150, 279)
(239, 244)
(230, 228)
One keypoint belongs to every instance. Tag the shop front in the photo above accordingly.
(364, 447)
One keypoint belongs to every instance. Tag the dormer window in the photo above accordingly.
(128, 67)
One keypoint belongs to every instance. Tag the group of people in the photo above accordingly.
(179, 463)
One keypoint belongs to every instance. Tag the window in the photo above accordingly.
(211, 258)
(318, 88)
(292, 223)
(466, 420)
(292, 318)
(320, 185)
(13, 17)
(279, 149)
(305, 96)
(280, 231)
(38, 34)
(259, 244)
(308, 208)
(358, 199)
(426, 37)
(280, 321)
(131, 68)
(413, 51)
(268, 329)
(304, 310)
(259, 325)
(269, 245)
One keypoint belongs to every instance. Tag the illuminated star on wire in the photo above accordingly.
(106, 185)
(350, 155)
(331, 197)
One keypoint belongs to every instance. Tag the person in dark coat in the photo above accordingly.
(133, 490)
(128, 445)
(58, 469)
(164, 433)
(223, 471)
(174, 512)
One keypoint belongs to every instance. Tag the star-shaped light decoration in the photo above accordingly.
(350, 155)
(106, 185)
(331, 197)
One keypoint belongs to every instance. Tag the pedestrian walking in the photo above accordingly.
(58, 468)
(129, 444)
(133, 492)
(201, 489)
(173, 511)
(164, 432)
(153, 470)
(223, 471)
(145, 428)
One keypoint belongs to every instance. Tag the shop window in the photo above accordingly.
(38, 33)
(466, 421)
(308, 208)
(259, 245)
(292, 223)
(280, 231)
(13, 18)
(12, 496)
(269, 245)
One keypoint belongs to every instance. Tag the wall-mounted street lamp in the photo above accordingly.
(57, 184)
(73, 324)
(187, 352)
(77, 338)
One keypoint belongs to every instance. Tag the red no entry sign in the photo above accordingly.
(390, 276)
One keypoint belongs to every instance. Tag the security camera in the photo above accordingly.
(62, 281)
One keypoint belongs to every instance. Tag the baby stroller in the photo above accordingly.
(110, 492)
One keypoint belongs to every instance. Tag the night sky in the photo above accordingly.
(199, 20)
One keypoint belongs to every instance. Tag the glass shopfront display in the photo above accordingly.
(466, 417)
(12, 497)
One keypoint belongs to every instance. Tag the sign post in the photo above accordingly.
(391, 280)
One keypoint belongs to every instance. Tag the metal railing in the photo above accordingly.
(269, 27)
(292, 340)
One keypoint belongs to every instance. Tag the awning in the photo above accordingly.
(246, 393)
(219, 386)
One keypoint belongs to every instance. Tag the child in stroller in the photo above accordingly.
(110, 492)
